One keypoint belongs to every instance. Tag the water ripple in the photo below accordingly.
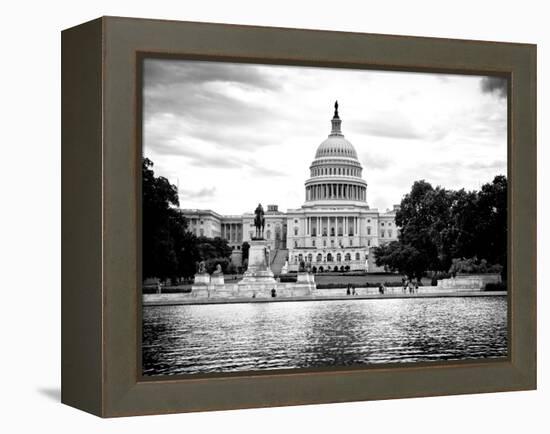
(245, 337)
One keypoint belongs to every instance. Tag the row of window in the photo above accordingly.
(340, 243)
(341, 233)
(328, 258)
(296, 222)
(335, 171)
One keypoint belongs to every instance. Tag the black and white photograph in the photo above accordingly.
(299, 217)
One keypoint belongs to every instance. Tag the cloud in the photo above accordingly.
(210, 101)
(201, 157)
(372, 161)
(203, 193)
(163, 72)
(495, 85)
(485, 165)
(385, 123)
(474, 165)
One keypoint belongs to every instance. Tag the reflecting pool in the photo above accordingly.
(306, 334)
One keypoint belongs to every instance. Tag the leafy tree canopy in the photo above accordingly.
(438, 226)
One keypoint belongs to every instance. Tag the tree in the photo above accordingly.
(188, 255)
(403, 258)
(209, 248)
(492, 229)
(439, 226)
(163, 226)
(424, 222)
(213, 251)
(244, 249)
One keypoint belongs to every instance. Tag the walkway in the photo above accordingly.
(184, 299)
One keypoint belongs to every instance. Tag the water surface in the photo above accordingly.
(306, 334)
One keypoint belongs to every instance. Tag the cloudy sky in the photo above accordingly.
(232, 135)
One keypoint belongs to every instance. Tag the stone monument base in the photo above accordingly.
(217, 279)
(258, 271)
(200, 286)
(258, 280)
(468, 282)
(202, 279)
(200, 291)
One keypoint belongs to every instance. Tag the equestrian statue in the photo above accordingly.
(259, 222)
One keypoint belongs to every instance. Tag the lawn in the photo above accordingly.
(357, 280)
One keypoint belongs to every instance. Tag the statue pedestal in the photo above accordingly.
(258, 263)
(200, 286)
(258, 276)
(217, 279)
(202, 279)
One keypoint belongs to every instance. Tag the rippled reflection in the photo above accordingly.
(256, 336)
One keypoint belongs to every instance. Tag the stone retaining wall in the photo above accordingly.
(468, 282)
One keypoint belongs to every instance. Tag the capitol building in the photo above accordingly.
(334, 229)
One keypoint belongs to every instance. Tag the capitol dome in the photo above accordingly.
(336, 146)
(336, 173)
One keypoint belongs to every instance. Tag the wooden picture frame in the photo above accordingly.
(101, 293)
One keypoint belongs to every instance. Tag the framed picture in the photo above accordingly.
(258, 216)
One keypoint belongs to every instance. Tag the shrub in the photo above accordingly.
(212, 263)
(473, 266)
(495, 286)
(166, 290)
(287, 279)
(331, 285)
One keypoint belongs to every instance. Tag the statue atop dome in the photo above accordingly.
(336, 122)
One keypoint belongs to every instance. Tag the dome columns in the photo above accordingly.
(336, 191)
